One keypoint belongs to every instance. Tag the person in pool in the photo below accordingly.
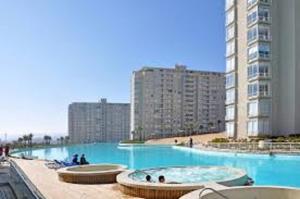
(148, 178)
(161, 179)
(83, 160)
(75, 160)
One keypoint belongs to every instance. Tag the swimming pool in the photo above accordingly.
(265, 170)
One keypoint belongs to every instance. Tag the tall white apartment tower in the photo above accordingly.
(263, 65)
(170, 101)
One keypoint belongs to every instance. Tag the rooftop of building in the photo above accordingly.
(101, 101)
(179, 67)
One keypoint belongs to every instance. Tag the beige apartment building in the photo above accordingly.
(99, 122)
(263, 64)
(170, 101)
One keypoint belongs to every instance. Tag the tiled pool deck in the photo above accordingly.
(46, 181)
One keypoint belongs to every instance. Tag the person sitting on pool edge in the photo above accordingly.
(75, 160)
(83, 160)
(161, 179)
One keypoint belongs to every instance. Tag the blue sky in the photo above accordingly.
(54, 52)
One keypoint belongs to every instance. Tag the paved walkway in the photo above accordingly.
(46, 181)
(196, 139)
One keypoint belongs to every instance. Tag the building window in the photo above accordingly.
(252, 16)
(229, 4)
(264, 107)
(253, 108)
(261, 89)
(264, 90)
(230, 96)
(264, 33)
(252, 34)
(251, 2)
(253, 52)
(230, 48)
(230, 113)
(252, 90)
(252, 127)
(230, 16)
(264, 14)
(230, 64)
(260, 51)
(230, 80)
(230, 32)
(258, 70)
(230, 129)
(264, 50)
(261, 13)
(263, 70)
(252, 71)
(260, 32)
(258, 127)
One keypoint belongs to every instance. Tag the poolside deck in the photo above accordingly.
(46, 181)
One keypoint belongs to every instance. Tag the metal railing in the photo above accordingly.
(213, 190)
(269, 146)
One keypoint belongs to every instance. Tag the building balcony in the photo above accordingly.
(229, 118)
(230, 102)
(261, 76)
(260, 95)
(229, 4)
(259, 56)
(260, 38)
(253, 3)
(258, 126)
(259, 20)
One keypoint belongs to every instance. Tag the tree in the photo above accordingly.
(190, 129)
(67, 139)
(20, 141)
(30, 136)
(219, 123)
(201, 127)
(61, 139)
(47, 139)
(210, 125)
(139, 132)
(25, 139)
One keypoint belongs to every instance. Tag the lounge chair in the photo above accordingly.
(68, 164)
(53, 165)
(28, 157)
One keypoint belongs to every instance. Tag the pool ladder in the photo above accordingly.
(213, 190)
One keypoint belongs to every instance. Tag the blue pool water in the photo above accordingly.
(194, 174)
(265, 170)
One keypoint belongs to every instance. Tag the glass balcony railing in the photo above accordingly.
(251, 3)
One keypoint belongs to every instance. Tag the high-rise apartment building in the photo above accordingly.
(169, 101)
(99, 122)
(263, 65)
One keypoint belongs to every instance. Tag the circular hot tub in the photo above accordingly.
(91, 174)
(179, 180)
(259, 192)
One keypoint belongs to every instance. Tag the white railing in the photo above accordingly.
(253, 146)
